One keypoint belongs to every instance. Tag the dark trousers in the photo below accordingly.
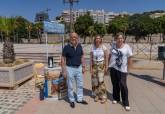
(119, 83)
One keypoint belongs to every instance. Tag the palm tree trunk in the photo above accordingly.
(14, 36)
(29, 36)
(84, 40)
(17, 37)
(163, 38)
(8, 51)
(2, 36)
(40, 36)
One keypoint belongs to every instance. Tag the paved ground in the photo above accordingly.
(145, 84)
(13, 100)
(146, 95)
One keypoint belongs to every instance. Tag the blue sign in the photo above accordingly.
(54, 27)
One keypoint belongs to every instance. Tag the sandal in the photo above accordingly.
(96, 99)
(103, 101)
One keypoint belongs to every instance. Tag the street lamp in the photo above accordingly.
(71, 12)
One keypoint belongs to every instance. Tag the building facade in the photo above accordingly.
(156, 15)
(99, 16)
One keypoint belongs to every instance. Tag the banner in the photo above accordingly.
(54, 27)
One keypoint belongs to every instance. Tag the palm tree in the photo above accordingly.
(1, 29)
(29, 29)
(21, 31)
(15, 31)
(91, 32)
(39, 27)
(8, 48)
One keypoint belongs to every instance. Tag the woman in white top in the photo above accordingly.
(98, 67)
(119, 62)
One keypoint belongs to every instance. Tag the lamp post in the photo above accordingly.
(71, 12)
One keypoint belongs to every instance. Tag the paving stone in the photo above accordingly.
(12, 100)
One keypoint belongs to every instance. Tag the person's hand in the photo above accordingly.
(64, 74)
(106, 71)
(83, 69)
(92, 73)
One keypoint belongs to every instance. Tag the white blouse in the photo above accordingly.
(119, 57)
(98, 53)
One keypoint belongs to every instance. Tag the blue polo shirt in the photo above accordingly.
(73, 55)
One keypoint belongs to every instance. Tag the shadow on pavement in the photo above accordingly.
(149, 78)
(88, 92)
(109, 96)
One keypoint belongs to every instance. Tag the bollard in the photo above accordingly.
(161, 56)
(164, 71)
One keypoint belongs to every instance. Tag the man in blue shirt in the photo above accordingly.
(73, 66)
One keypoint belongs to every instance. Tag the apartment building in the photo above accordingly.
(99, 16)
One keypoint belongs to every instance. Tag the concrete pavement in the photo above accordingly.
(146, 95)
(12, 100)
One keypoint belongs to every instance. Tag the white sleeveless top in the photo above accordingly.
(98, 53)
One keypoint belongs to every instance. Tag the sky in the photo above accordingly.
(28, 8)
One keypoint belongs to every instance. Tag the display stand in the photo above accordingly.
(55, 84)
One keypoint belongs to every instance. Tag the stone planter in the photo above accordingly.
(13, 76)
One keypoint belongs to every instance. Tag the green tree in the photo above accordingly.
(100, 29)
(7, 25)
(92, 32)
(1, 29)
(29, 29)
(147, 25)
(38, 28)
(141, 26)
(136, 27)
(21, 31)
(82, 24)
(119, 24)
(162, 26)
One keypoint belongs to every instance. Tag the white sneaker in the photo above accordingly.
(114, 102)
(127, 108)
